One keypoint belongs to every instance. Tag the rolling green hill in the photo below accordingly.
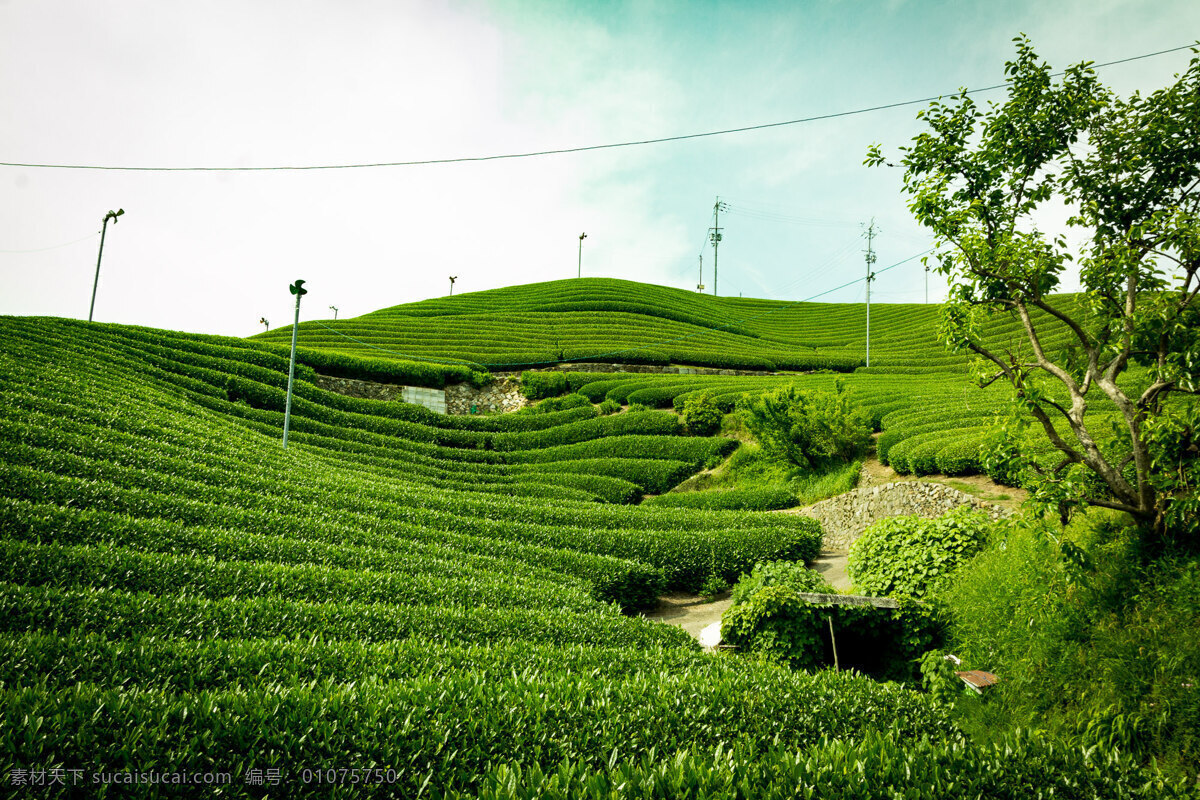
(602, 319)
(915, 389)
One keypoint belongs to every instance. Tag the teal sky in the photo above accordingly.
(314, 82)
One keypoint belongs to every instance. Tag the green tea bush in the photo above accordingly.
(609, 407)
(554, 404)
(361, 367)
(539, 385)
(701, 416)
(780, 573)
(913, 556)
(749, 499)
(1019, 767)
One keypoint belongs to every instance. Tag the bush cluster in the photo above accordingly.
(913, 556)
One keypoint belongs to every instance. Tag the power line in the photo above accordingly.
(56, 246)
(582, 149)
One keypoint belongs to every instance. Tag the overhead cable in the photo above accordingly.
(565, 150)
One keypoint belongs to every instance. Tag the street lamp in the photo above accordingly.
(334, 309)
(104, 229)
(453, 278)
(299, 291)
(579, 268)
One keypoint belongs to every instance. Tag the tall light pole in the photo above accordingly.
(297, 289)
(579, 268)
(453, 278)
(103, 229)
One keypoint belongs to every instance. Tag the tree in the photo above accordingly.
(1127, 171)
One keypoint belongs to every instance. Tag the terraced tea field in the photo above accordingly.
(603, 319)
(402, 603)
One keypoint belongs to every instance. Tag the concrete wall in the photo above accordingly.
(433, 399)
(845, 517)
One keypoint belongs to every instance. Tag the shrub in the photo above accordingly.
(780, 573)
(609, 406)
(749, 499)
(914, 556)
(701, 416)
(883, 642)
(539, 385)
(560, 403)
(1091, 642)
(713, 586)
(807, 428)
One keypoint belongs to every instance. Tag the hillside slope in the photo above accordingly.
(178, 593)
(603, 319)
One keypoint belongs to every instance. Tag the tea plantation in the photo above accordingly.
(405, 604)
(604, 319)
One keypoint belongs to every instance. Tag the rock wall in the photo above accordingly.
(501, 396)
(433, 399)
(845, 517)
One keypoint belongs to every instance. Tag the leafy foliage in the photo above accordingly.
(1128, 167)
(539, 385)
(912, 556)
(701, 416)
(776, 622)
(792, 574)
(753, 499)
(808, 428)
(1042, 606)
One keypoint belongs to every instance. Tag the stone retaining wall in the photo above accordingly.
(845, 517)
(433, 399)
(501, 396)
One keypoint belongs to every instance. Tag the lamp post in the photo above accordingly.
(453, 278)
(334, 309)
(297, 289)
(103, 229)
(579, 268)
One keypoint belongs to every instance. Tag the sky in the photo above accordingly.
(252, 83)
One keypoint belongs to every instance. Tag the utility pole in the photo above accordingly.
(103, 229)
(297, 289)
(579, 267)
(700, 284)
(870, 234)
(926, 284)
(453, 278)
(714, 236)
